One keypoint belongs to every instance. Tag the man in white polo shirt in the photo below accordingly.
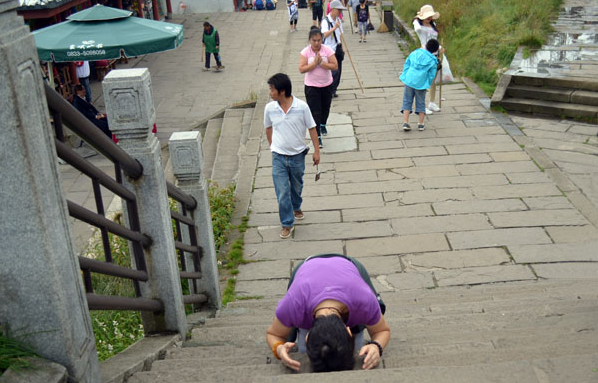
(332, 29)
(286, 119)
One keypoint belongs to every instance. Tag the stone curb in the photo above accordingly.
(565, 185)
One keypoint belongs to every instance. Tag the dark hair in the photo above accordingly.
(314, 30)
(432, 45)
(206, 24)
(281, 82)
(329, 345)
(79, 88)
(421, 22)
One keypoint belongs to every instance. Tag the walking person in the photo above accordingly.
(317, 11)
(293, 7)
(418, 73)
(318, 61)
(426, 29)
(332, 297)
(83, 72)
(286, 119)
(211, 43)
(363, 18)
(332, 29)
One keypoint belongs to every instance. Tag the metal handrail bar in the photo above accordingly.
(97, 220)
(190, 275)
(182, 218)
(111, 269)
(194, 299)
(87, 168)
(180, 196)
(103, 302)
(85, 129)
(183, 246)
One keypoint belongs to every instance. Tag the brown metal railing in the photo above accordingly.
(189, 272)
(63, 112)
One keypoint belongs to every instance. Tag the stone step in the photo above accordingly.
(209, 145)
(579, 83)
(553, 94)
(552, 108)
(226, 162)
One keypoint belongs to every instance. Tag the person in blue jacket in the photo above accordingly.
(418, 73)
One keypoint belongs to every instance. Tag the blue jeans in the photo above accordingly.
(420, 100)
(287, 175)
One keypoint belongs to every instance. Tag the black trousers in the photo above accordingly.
(336, 76)
(319, 100)
(103, 125)
(216, 57)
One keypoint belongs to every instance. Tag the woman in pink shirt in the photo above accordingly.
(317, 61)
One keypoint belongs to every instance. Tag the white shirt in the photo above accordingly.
(288, 129)
(83, 70)
(329, 41)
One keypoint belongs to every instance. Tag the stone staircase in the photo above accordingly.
(571, 97)
(544, 331)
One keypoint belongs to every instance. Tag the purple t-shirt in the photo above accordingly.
(328, 278)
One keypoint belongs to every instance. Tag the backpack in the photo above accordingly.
(270, 5)
(259, 5)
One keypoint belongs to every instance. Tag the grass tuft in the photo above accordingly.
(13, 354)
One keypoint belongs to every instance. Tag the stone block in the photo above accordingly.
(342, 202)
(270, 288)
(478, 206)
(567, 271)
(378, 187)
(562, 252)
(433, 195)
(515, 191)
(343, 230)
(456, 259)
(528, 178)
(572, 234)
(408, 152)
(278, 269)
(418, 243)
(41, 371)
(481, 148)
(291, 249)
(452, 159)
(439, 224)
(559, 217)
(478, 275)
(359, 176)
(417, 172)
(373, 165)
(551, 203)
(272, 219)
(498, 167)
(440, 141)
(382, 265)
(497, 237)
(464, 181)
(386, 212)
(411, 280)
(519, 155)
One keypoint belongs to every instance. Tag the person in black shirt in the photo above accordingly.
(89, 111)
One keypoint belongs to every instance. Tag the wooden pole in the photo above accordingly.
(345, 46)
(440, 90)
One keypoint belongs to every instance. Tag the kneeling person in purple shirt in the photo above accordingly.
(330, 300)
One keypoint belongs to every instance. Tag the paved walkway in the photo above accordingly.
(460, 203)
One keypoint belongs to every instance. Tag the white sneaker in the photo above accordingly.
(428, 111)
(433, 107)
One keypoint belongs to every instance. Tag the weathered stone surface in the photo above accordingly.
(271, 288)
(411, 280)
(440, 141)
(440, 224)
(272, 219)
(291, 249)
(418, 172)
(41, 371)
(379, 186)
(374, 164)
(543, 203)
(498, 167)
(452, 159)
(343, 230)
(456, 259)
(515, 191)
(386, 212)
(409, 152)
(429, 195)
(519, 155)
(360, 176)
(572, 234)
(567, 270)
(559, 217)
(396, 245)
(482, 148)
(497, 237)
(381, 265)
(477, 275)
(527, 178)
(569, 252)
(264, 270)
(464, 181)
(478, 206)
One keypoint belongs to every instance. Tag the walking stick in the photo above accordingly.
(350, 21)
(203, 54)
(350, 59)
(440, 90)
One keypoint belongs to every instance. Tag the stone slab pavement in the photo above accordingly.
(460, 203)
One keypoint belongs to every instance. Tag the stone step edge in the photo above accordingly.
(221, 153)
(209, 144)
(571, 96)
(550, 108)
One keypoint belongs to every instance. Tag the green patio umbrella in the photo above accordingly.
(100, 33)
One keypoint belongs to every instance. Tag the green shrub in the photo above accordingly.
(222, 205)
(13, 354)
(481, 36)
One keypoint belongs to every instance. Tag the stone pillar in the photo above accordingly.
(42, 301)
(187, 161)
(131, 116)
